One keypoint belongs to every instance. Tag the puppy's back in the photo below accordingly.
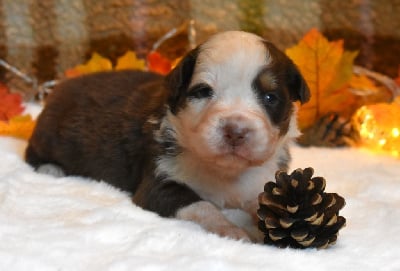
(96, 126)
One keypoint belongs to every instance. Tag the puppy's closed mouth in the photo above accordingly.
(236, 152)
(235, 159)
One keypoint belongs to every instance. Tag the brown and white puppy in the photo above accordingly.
(206, 137)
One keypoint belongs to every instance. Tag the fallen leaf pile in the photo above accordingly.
(10, 103)
(154, 62)
(18, 126)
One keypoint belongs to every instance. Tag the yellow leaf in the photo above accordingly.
(19, 126)
(344, 70)
(96, 63)
(325, 68)
(129, 61)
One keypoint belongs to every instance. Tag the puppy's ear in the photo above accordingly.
(297, 86)
(178, 80)
(295, 82)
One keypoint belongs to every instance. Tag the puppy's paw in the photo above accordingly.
(51, 169)
(251, 208)
(210, 218)
(231, 231)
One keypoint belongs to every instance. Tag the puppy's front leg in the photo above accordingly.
(210, 218)
(172, 199)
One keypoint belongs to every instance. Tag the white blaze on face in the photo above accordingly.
(230, 58)
(228, 63)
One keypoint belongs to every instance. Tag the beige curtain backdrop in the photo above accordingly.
(45, 37)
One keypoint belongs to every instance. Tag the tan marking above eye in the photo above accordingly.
(268, 81)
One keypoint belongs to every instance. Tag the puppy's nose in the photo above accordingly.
(235, 135)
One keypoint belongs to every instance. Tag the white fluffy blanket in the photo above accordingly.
(76, 224)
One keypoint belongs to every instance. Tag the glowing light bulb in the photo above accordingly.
(378, 127)
(395, 132)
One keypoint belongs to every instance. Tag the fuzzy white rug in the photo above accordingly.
(76, 224)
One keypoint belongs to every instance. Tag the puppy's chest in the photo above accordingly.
(239, 192)
(225, 187)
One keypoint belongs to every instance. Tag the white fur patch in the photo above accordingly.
(51, 169)
(229, 62)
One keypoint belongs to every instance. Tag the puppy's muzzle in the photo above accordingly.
(236, 131)
(234, 135)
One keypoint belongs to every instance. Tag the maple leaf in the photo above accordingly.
(129, 61)
(327, 68)
(158, 63)
(10, 103)
(18, 126)
(344, 70)
(96, 63)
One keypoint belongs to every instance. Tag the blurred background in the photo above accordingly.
(45, 37)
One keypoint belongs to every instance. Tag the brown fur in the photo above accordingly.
(95, 125)
(184, 145)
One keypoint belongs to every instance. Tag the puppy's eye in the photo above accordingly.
(271, 99)
(200, 91)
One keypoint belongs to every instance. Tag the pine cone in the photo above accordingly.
(331, 130)
(296, 212)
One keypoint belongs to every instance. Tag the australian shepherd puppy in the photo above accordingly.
(205, 137)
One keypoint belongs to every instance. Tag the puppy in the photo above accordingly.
(205, 137)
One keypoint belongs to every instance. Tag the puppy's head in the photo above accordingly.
(231, 100)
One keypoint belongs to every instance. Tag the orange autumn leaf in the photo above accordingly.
(96, 63)
(10, 103)
(327, 68)
(18, 126)
(129, 61)
(158, 63)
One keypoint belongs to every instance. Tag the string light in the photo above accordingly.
(379, 127)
